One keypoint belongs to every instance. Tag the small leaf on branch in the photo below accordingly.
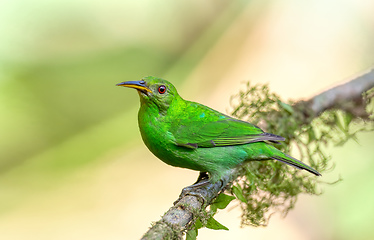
(198, 224)
(214, 224)
(286, 107)
(221, 202)
(191, 234)
(238, 192)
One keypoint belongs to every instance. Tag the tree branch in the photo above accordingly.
(341, 97)
(178, 218)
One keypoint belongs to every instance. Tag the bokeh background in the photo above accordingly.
(72, 163)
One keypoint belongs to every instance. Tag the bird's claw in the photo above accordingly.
(192, 190)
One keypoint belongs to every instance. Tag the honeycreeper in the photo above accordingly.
(190, 135)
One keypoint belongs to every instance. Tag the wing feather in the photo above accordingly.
(225, 132)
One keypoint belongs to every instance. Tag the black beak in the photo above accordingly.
(138, 85)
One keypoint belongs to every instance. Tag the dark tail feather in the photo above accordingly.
(296, 163)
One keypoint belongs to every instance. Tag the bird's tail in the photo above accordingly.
(294, 162)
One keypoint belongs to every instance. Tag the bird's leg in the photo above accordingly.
(202, 180)
(202, 176)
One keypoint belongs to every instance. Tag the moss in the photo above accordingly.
(270, 186)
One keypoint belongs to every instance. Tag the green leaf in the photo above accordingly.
(348, 118)
(191, 234)
(238, 192)
(198, 224)
(311, 134)
(339, 121)
(214, 224)
(221, 202)
(286, 107)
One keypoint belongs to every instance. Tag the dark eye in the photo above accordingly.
(162, 89)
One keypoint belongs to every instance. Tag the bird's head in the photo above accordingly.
(154, 90)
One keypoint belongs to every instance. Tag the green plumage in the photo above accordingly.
(190, 135)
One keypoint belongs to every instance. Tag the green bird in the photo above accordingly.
(190, 135)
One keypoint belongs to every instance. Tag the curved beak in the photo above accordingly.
(138, 85)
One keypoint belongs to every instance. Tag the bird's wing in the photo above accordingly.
(225, 132)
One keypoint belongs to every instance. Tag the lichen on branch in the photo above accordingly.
(270, 186)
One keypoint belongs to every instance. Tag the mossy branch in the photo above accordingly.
(331, 117)
(180, 217)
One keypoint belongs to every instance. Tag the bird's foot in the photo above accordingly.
(192, 190)
(202, 176)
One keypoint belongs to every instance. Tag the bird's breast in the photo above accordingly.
(155, 134)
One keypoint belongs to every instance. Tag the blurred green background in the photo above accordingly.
(72, 164)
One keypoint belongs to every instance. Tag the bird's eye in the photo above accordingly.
(162, 89)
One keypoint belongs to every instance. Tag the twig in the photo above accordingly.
(338, 96)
